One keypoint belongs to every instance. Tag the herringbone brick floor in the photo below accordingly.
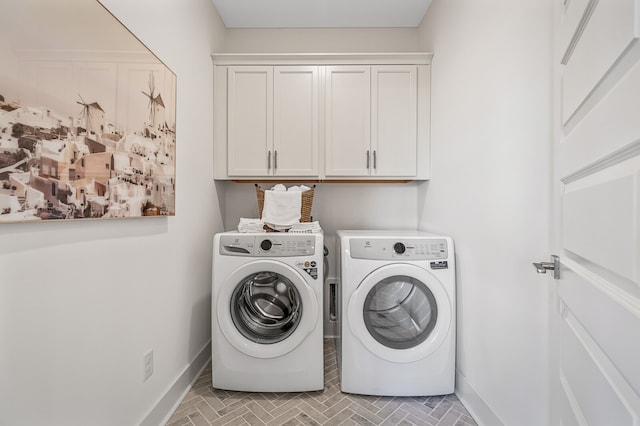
(206, 406)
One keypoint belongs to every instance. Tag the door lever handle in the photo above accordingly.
(554, 265)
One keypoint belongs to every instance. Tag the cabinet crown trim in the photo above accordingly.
(406, 58)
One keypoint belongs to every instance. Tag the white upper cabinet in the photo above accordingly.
(394, 140)
(250, 121)
(295, 121)
(347, 121)
(370, 124)
(322, 117)
(272, 121)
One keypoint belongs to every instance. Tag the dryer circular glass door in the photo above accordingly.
(266, 309)
(400, 312)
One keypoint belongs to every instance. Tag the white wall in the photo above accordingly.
(321, 40)
(82, 301)
(489, 190)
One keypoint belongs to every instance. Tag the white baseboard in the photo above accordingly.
(162, 411)
(475, 405)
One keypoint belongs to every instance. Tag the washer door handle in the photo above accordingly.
(235, 249)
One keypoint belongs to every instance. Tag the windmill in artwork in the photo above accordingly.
(156, 105)
(92, 116)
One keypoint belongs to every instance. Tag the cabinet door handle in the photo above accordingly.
(375, 160)
(367, 159)
(269, 161)
(275, 160)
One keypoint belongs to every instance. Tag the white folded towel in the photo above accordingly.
(300, 188)
(306, 228)
(281, 209)
(250, 225)
(279, 187)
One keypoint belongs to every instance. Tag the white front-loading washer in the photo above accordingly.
(397, 331)
(267, 330)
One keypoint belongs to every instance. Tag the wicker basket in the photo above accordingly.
(305, 210)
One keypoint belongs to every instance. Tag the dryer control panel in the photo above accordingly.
(267, 245)
(398, 249)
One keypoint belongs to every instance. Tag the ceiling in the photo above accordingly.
(322, 13)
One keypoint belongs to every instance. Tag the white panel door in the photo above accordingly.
(348, 121)
(394, 93)
(295, 121)
(250, 120)
(595, 320)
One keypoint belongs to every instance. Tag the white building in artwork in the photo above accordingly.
(158, 119)
(93, 115)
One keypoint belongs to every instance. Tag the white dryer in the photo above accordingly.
(267, 331)
(397, 331)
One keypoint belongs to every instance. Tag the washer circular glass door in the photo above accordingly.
(266, 308)
(400, 312)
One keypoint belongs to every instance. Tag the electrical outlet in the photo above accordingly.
(148, 364)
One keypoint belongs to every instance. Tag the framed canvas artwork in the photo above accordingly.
(87, 116)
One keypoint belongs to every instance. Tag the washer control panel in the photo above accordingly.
(267, 245)
(398, 249)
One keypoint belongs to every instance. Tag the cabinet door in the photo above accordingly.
(249, 120)
(393, 115)
(347, 121)
(295, 121)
